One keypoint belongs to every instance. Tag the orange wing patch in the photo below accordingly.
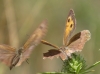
(69, 28)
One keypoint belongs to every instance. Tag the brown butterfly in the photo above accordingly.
(12, 57)
(70, 45)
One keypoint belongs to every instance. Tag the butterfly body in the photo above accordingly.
(16, 58)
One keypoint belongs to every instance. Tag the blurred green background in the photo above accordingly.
(19, 18)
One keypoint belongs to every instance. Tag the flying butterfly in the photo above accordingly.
(13, 57)
(70, 44)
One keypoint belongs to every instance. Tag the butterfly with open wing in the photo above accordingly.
(70, 44)
(12, 57)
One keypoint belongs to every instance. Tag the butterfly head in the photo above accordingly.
(20, 51)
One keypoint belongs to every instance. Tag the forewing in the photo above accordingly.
(69, 27)
(7, 53)
(34, 40)
(78, 41)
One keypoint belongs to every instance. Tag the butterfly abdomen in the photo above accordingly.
(14, 61)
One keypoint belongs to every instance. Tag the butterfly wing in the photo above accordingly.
(52, 52)
(49, 44)
(77, 42)
(34, 40)
(55, 53)
(69, 27)
(7, 54)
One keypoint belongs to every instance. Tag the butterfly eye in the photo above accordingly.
(68, 20)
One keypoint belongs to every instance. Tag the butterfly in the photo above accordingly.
(13, 57)
(70, 44)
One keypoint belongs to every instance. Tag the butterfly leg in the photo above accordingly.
(27, 61)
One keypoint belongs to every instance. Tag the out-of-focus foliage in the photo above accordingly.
(28, 14)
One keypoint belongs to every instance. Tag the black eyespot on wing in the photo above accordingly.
(68, 20)
(71, 25)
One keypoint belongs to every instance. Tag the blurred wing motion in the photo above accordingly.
(7, 54)
(75, 44)
(33, 41)
(69, 27)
